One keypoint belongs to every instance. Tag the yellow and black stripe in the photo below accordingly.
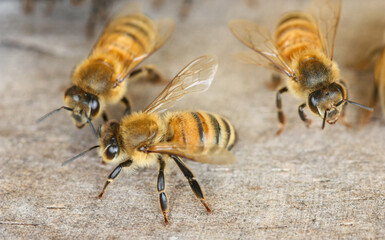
(127, 37)
(201, 129)
(296, 32)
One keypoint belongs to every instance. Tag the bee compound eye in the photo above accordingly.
(94, 104)
(112, 151)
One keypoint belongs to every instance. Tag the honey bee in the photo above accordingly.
(301, 49)
(99, 80)
(149, 138)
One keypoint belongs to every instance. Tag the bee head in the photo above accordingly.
(85, 106)
(328, 102)
(109, 141)
(325, 102)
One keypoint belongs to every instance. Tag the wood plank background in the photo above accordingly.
(306, 183)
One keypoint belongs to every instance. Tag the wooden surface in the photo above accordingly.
(306, 183)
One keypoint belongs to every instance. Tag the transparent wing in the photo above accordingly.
(327, 14)
(164, 28)
(259, 39)
(251, 57)
(195, 77)
(212, 154)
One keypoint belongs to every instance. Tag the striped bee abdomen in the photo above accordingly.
(126, 37)
(201, 129)
(296, 32)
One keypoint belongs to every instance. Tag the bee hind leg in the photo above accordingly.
(195, 187)
(114, 174)
(161, 186)
(303, 116)
(281, 115)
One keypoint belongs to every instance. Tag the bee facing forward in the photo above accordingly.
(149, 138)
(99, 79)
(302, 49)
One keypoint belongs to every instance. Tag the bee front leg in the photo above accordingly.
(342, 117)
(343, 111)
(303, 116)
(195, 187)
(373, 100)
(148, 73)
(105, 117)
(381, 92)
(281, 115)
(161, 187)
(126, 103)
(114, 174)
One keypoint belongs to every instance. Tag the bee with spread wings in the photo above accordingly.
(101, 79)
(150, 138)
(301, 49)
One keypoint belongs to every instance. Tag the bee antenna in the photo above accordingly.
(92, 126)
(80, 154)
(100, 131)
(354, 103)
(52, 112)
(324, 120)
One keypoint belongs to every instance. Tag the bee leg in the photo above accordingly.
(148, 73)
(381, 92)
(343, 111)
(157, 3)
(275, 82)
(195, 187)
(114, 174)
(91, 22)
(50, 5)
(161, 187)
(373, 100)
(103, 8)
(105, 117)
(302, 115)
(127, 103)
(185, 9)
(342, 116)
(281, 115)
(28, 6)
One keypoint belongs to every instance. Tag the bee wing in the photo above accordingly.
(195, 77)
(259, 39)
(164, 28)
(212, 154)
(327, 14)
(251, 57)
